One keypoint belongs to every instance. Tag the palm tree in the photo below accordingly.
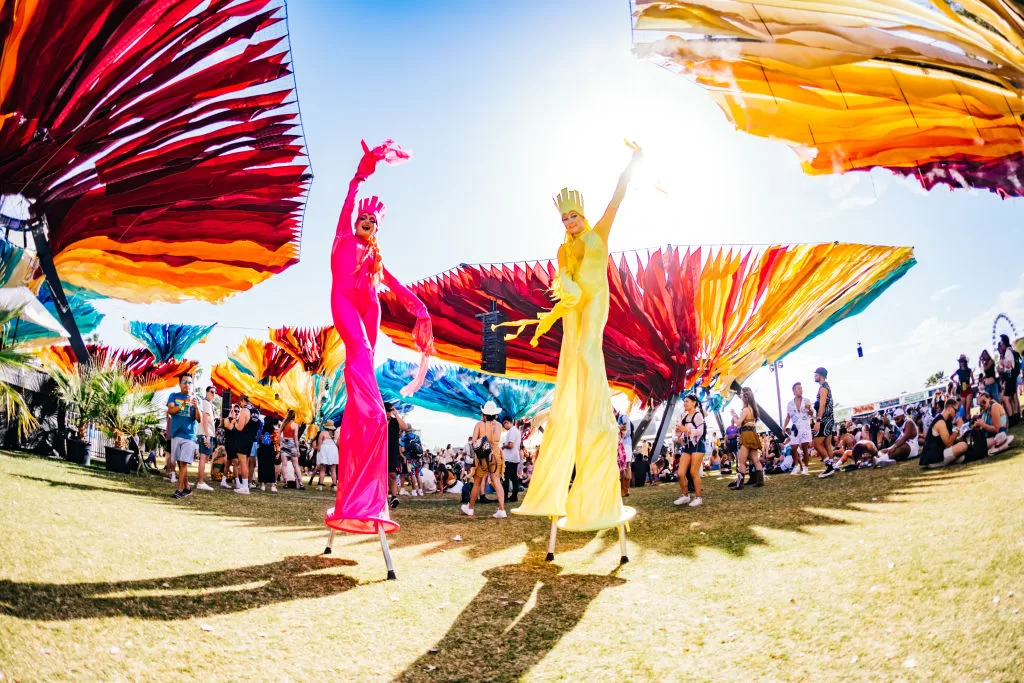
(935, 378)
(124, 409)
(76, 389)
(12, 359)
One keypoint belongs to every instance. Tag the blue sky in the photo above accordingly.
(502, 104)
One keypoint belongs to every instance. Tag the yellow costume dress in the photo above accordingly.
(581, 429)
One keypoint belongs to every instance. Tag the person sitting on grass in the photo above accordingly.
(942, 444)
(906, 446)
(993, 422)
(862, 454)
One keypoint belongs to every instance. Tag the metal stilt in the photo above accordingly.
(551, 542)
(622, 545)
(387, 552)
(330, 542)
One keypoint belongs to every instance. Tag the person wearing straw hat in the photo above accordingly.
(327, 455)
(963, 377)
(488, 463)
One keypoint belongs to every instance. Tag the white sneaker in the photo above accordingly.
(805, 471)
(466, 510)
(225, 485)
(681, 500)
(174, 477)
(203, 486)
(273, 488)
(243, 490)
(696, 502)
(796, 470)
(263, 487)
(403, 492)
(500, 514)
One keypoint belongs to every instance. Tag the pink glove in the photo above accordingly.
(387, 151)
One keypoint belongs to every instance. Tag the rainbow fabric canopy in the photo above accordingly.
(159, 140)
(679, 318)
(168, 341)
(924, 88)
(138, 363)
(320, 350)
(461, 391)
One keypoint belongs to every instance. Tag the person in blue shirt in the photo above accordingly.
(183, 410)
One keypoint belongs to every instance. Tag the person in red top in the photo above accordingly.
(963, 377)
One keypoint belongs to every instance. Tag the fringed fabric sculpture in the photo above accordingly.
(929, 89)
(168, 341)
(138, 363)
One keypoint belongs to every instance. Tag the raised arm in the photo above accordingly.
(387, 152)
(604, 226)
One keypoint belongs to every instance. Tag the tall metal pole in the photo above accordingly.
(670, 406)
(778, 392)
(67, 318)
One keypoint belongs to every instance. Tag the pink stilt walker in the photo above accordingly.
(357, 271)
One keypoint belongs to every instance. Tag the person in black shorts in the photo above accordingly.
(825, 422)
(396, 464)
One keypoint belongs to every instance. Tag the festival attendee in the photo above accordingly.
(218, 463)
(625, 453)
(963, 379)
(942, 447)
(205, 433)
(429, 481)
(691, 458)
(396, 463)
(488, 463)
(241, 422)
(732, 437)
(906, 446)
(825, 425)
(798, 411)
(412, 450)
(266, 455)
(327, 455)
(511, 447)
(183, 410)
(995, 423)
(358, 272)
(989, 383)
(750, 444)
(1009, 372)
(290, 447)
(581, 430)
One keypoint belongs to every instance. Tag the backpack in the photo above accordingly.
(1016, 363)
(482, 448)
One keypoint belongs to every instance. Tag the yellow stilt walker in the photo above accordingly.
(581, 429)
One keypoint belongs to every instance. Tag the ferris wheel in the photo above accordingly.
(1003, 325)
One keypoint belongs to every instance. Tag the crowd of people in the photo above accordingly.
(966, 420)
(229, 450)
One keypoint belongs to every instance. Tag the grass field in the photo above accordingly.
(874, 575)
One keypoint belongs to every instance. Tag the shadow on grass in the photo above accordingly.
(515, 620)
(729, 520)
(179, 597)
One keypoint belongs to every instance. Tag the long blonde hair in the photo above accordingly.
(373, 255)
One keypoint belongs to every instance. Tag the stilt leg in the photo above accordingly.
(330, 542)
(551, 542)
(622, 545)
(387, 552)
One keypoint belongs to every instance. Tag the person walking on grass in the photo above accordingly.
(327, 456)
(205, 436)
(510, 450)
(290, 447)
(488, 462)
(798, 411)
(750, 444)
(183, 411)
(692, 431)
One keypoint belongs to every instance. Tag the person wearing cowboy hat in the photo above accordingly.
(327, 455)
(963, 378)
(488, 461)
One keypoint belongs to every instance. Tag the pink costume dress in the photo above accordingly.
(361, 504)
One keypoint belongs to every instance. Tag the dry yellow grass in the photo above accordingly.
(894, 574)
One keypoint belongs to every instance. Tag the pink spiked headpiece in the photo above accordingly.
(372, 205)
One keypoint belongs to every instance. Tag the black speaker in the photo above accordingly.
(225, 403)
(492, 353)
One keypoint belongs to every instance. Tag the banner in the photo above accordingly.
(890, 403)
(865, 409)
(915, 397)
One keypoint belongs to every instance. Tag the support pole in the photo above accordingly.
(666, 421)
(778, 392)
(330, 542)
(622, 545)
(67, 318)
(551, 541)
(387, 553)
(642, 426)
